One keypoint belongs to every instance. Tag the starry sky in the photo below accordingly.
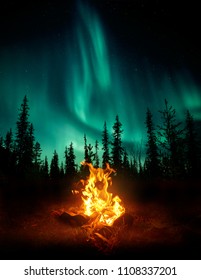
(81, 63)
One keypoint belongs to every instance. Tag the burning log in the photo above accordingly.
(74, 221)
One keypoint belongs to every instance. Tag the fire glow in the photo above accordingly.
(97, 203)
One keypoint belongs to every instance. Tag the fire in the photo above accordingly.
(97, 203)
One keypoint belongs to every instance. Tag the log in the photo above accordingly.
(74, 221)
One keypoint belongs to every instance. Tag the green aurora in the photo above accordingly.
(81, 78)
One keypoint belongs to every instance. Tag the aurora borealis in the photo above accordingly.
(101, 59)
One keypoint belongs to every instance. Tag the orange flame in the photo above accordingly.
(97, 201)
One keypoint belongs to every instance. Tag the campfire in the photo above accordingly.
(99, 209)
(97, 203)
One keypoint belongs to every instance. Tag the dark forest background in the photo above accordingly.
(173, 155)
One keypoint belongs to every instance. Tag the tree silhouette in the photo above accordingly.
(24, 140)
(96, 158)
(54, 166)
(70, 166)
(152, 162)
(117, 150)
(171, 142)
(105, 148)
(45, 169)
(86, 152)
(37, 151)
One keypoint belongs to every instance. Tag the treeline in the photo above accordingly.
(172, 151)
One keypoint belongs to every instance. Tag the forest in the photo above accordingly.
(161, 191)
(173, 151)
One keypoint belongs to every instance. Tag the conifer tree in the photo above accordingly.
(96, 158)
(171, 143)
(37, 151)
(117, 150)
(86, 153)
(54, 167)
(24, 139)
(152, 162)
(105, 148)
(90, 153)
(70, 166)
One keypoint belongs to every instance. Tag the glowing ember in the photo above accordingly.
(98, 203)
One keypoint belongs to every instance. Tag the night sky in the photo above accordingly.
(81, 63)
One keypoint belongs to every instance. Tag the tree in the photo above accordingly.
(45, 168)
(105, 148)
(70, 166)
(88, 151)
(86, 154)
(96, 158)
(152, 156)
(24, 139)
(37, 151)
(117, 150)
(192, 148)
(54, 166)
(170, 137)
(30, 144)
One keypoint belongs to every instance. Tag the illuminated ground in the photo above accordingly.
(157, 229)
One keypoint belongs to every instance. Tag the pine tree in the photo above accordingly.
(54, 167)
(70, 166)
(117, 150)
(152, 155)
(170, 137)
(86, 154)
(105, 148)
(90, 153)
(192, 151)
(37, 151)
(24, 139)
(96, 158)
(30, 144)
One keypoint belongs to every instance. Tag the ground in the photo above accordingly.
(158, 227)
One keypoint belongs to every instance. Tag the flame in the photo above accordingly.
(97, 202)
